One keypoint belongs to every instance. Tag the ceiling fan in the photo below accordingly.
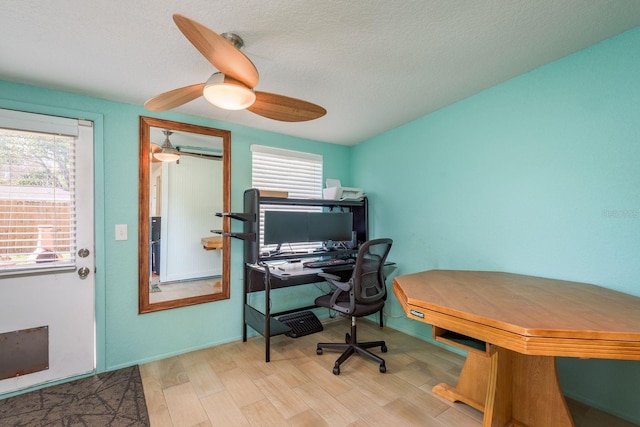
(231, 88)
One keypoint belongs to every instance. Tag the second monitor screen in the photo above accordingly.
(293, 227)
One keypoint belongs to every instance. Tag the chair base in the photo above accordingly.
(352, 346)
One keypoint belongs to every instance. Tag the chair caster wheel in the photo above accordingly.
(383, 348)
(336, 370)
(383, 369)
(318, 351)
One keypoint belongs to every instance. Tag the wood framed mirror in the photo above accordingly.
(181, 260)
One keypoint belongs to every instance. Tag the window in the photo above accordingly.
(296, 172)
(37, 206)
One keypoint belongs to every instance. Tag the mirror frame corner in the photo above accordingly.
(146, 123)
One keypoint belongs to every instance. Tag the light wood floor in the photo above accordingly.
(231, 385)
(178, 290)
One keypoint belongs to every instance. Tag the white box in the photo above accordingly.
(332, 193)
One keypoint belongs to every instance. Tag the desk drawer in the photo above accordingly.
(461, 341)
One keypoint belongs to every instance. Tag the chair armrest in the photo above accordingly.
(329, 276)
(335, 280)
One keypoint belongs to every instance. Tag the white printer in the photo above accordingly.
(335, 191)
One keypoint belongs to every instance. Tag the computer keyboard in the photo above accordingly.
(328, 262)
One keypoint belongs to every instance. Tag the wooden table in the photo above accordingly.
(513, 327)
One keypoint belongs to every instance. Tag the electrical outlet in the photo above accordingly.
(121, 232)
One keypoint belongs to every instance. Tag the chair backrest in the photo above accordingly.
(368, 276)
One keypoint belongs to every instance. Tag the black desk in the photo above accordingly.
(265, 277)
(257, 279)
(277, 274)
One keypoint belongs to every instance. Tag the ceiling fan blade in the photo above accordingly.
(174, 98)
(284, 108)
(218, 51)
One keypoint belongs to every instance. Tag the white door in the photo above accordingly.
(47, 318)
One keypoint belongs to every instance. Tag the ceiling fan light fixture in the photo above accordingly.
(228, 93)
(167, 153)
(167, 157)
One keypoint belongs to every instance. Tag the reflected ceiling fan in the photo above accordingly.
(232, 87)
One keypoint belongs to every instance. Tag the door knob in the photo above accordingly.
(83, 272)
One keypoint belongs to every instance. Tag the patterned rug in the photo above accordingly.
(110, 399)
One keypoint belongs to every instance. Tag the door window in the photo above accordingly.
(37, 204)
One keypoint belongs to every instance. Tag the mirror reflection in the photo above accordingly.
(186, 170)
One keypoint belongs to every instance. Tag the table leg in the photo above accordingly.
(517, 390)
(472, 382)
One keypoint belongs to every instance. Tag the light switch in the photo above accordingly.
(121, 232)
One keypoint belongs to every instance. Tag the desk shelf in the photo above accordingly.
(252, 206)
(257, 321)
(461, 341)
(239, 216)
(302, 255)
(311, 202)
(241, 236)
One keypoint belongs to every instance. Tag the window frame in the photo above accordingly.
(57, 130)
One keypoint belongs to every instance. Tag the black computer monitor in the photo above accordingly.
(285, 227)
(300, 227)
(335, 226)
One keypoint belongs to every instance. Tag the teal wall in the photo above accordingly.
(124, 337)
(539, 175)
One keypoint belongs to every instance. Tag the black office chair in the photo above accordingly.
(362, 295)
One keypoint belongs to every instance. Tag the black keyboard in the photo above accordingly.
(329, 262)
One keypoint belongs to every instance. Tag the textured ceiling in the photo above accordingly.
(373, 64)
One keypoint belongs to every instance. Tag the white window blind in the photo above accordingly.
(19, 120)
(37, 182)
(296, 172)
